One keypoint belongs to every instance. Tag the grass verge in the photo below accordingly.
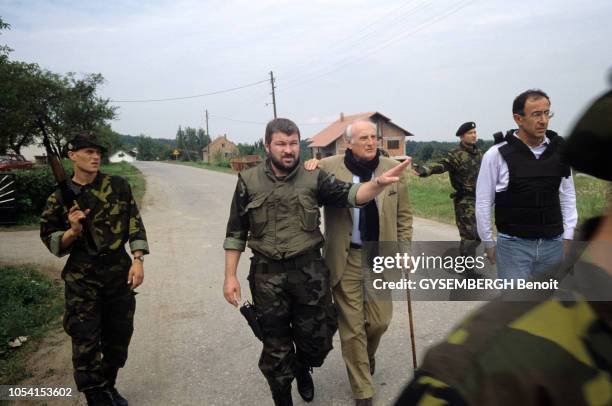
(430, 198)
(30, 305)
(131, 174)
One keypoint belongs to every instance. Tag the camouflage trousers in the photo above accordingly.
(99, 316)
(465, 218)
(298, 317)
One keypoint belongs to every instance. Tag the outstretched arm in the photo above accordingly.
(369, 190)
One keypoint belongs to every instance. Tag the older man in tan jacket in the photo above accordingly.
(361, 321)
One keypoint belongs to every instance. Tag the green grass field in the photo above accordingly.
(131, 174)
(31, 304)
(430, 197)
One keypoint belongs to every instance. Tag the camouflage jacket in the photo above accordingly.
(462, 164)
(114, 217)
(547, 352)
(280, 216)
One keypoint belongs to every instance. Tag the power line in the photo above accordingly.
(385, 44)
(191, 97)
(393, 16)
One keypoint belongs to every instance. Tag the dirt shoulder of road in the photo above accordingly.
(48, 362)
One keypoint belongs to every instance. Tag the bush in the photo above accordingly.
(33, 187)
(220, 160)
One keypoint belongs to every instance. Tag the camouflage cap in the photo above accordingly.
(465, 127)
(84, 140)
(588, 147)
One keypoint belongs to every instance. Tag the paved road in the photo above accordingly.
(190, 347)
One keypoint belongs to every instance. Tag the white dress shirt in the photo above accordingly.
(494, 177)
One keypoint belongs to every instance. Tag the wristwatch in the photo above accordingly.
(140, 258)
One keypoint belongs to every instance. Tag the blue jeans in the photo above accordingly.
(522, 258)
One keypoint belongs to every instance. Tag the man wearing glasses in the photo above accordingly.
(532, 191)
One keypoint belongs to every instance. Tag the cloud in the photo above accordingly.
(399, 57)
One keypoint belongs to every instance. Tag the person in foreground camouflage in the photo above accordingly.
(99, 276)
(549, 351)
(462, 164)
(275, 208)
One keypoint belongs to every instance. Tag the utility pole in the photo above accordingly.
(206, 110)
(273, 95)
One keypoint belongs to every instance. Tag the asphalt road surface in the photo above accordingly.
(192, 348)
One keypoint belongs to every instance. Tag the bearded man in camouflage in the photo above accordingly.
(462, 164)
(99, 276)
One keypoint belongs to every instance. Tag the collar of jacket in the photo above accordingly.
(93, 185)
(472, 149)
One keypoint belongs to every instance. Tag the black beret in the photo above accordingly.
(465, 127)
(84, 140)
(588, 147)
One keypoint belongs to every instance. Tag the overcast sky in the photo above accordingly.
(427, 65)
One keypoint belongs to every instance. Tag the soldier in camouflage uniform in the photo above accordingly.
(276, 209)
(99, 275)
(462, 164)
(553, 350)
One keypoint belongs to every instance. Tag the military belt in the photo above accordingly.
(106, 257)
(281, 265)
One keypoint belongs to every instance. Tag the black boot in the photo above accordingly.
(99, 397)
(282, 398)
(304, 383)
(117, 398)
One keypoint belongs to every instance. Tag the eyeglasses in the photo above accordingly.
(542, 114)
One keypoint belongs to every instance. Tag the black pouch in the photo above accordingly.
(252, 317)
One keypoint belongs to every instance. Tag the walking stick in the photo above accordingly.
(411, 325)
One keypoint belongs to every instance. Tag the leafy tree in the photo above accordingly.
(18, 91)
(34, 101)
(75, 107)
(191, 145)
(257, 148)
(109, 138)
(203, 138)
(4, 49)
(426, 152)
(148, 150)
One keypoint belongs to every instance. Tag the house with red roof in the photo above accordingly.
(331, 141)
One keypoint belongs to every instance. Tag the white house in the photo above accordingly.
(123, 156)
